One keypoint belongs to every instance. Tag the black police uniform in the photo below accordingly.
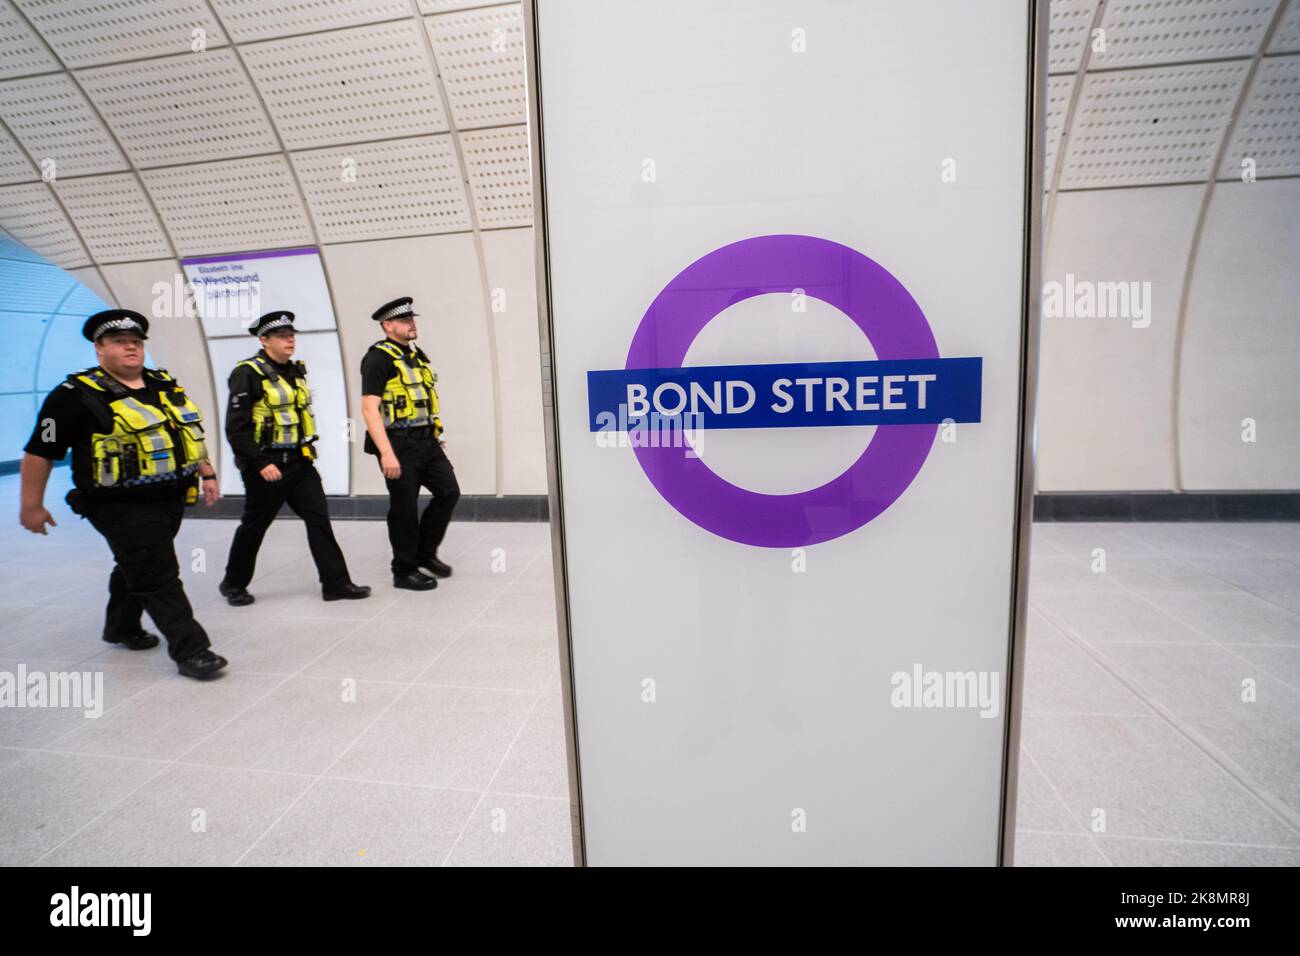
(299, 485)
(138, 520)
(415, 538)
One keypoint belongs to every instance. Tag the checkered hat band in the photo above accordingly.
(117, 325)
(275, 324)
(396, 312)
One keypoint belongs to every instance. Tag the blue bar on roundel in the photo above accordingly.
(788, 395)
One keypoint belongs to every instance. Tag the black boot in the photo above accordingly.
(201, 665)
(414, 581)
(349, 592)
(135, 642)
(235, 597)
(435, 567)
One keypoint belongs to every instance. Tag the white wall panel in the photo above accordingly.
(513, 290)
(175, 340)
(1105, 387)
(89, 277)
(441, 274)
(1241, 351)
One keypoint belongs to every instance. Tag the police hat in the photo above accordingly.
(271, 322)
(115, 320)
(397, 309)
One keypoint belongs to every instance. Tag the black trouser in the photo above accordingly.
(299, 487)
(416, 537)
(141, 534)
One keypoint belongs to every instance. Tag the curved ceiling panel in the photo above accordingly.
(181, 109)
(54, 121)
(229, 206)
(407, 187)
(481, 56)
(110, 31)
(249, 20)
(114, 218)
(348, 86)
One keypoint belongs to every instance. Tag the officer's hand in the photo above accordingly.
(271, 473)
(35, 520)
(211, 493)
(389, 465)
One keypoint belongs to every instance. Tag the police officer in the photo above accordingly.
(403, 429)
(138, 458)
(272, 432)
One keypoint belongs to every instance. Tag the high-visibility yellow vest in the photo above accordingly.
(148, 444)
(282, 416)
(410, 399)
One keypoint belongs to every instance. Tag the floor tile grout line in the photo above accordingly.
(1164, 839)
(1226, 764)
(1210, 640)
(171, 763)
(495, 773)
(392, 703)
(1084, 831)
(198, 765)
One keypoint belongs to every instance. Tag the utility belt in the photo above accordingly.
(289, 456)
(418, 432)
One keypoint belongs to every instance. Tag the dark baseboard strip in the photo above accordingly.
(375, 508)
(1161, 506)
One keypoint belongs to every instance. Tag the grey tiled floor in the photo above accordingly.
(427, 729)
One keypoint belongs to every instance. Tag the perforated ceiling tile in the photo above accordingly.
(31, 215)
(496, 161)
(446, 6)
(181, 109)
(481, 57)
(114, 218)
(248, 20)
(1059, 89)
(1286, 38)
(54, 121)
(1146, 32)
(408, 187)
(14, 167)
(21, 50)
(109, 31)
(1068, 33)
(235, 206)
(1141, 127)
(373, 82)
(1268, 129)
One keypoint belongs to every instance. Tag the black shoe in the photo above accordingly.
(201, 665)
(415, 581)
(135, 642)
(349, 592)
(436, 567)
(235, 597)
